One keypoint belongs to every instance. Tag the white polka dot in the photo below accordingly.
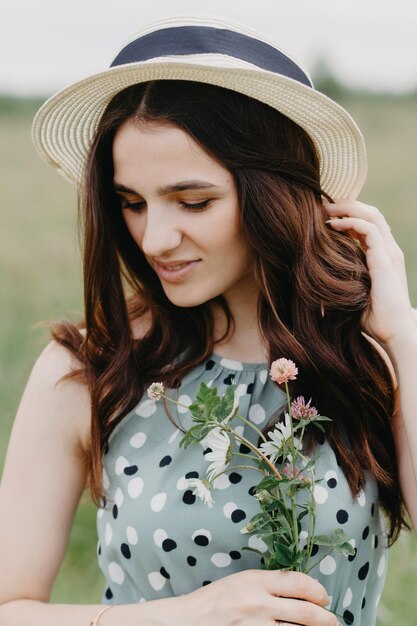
(159, 536)
(132, 535)
(121, 463)
(106, 481)
(327, 565)
(118, 497)
(256, 414)
(158, 502)
(347, 600)
(320, 494)
(174, 436)
(232, 365)
(156, 580)
(201, 531)
(182, 483)
(116, 573)
(257, 543)
(263, 375)
(138, 440)
(352, 543)
(228, 509)
(146, 408)
(378, 599)
(135, 486)
(241, 390)
(240, 429)
(184, 399)
(381, 566)
(303, 538)
(108, 534)
(142, 600)
(361, 498)
(330, 474)
(100, 513)
(222, 482)
(221, 559)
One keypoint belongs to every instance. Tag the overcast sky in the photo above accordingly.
(47, 44)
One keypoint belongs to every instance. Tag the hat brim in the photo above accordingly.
(65, 125)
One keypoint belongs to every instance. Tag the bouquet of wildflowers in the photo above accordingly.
(285, 491)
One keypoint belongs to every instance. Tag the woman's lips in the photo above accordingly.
(172, 275)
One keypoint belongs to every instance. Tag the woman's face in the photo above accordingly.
(181, 206)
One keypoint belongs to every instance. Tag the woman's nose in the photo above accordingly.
(161, 234)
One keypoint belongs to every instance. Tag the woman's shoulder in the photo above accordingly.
(54, 383)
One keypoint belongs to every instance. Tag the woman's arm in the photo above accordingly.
(391, 321)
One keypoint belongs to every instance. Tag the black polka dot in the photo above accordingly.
(229, 379)
(250, 388)
(352, 556)
(348, 617)
(342, 516)
(210, 364)
(99, 549)
(164, 573)
(115, 511)
(235, 555)
(238, 515)
(332, 483)
(206, 451)
(363, 572)
(375, 541)
(363, 603)
(188, 497)
(244, 449)
(106, 447)
(373, 509)
(109, 593)
(252, 490)
(191, 560)
(165, 461)
(338, 461)
(168, 545)
(206, 582)
(314, 549)
(365, 533)
(201, 540)
(235, 478)
(125, 550)
(132, 469)
(191, 475)
(262, 560)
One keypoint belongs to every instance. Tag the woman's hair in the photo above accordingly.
(303, 270)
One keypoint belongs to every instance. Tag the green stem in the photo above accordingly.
(246, 456)
(260, 433)
(235, 467)
(250, 445)
(319, 561)
(293, 492)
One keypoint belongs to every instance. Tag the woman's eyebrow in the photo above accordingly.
(162, 191)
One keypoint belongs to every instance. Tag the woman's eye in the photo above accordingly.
(136, 207)
(196, 206)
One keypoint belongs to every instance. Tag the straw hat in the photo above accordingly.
(206, 50)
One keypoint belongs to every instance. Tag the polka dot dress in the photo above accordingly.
(157, 539)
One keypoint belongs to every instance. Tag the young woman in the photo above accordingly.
(208, 169)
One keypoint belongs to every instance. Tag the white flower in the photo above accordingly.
(221, 451)
(202, 489)
(249, 528)
(155, 391)
(280, 434)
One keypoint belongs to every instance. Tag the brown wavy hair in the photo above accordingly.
(303, 270)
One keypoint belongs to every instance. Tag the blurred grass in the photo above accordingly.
(40, 278)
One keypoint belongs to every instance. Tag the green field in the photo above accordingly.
(40, 280)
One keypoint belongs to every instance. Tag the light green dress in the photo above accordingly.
(156, 539)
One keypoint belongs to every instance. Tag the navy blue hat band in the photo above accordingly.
(182, 40)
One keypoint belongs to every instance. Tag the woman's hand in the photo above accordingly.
(390, 314)
(254, 598)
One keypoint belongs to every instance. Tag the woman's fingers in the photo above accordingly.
(296, 585)
(303, 613)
